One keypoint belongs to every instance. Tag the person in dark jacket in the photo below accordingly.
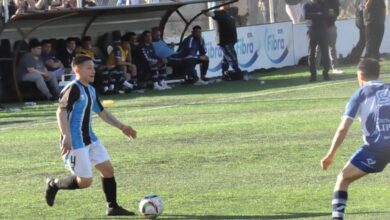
(227, 37)
(193, 51)
(317, 16)
(374, 20)
(334, 12)
(152, 63)
(357, 51)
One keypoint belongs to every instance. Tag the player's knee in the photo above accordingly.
(108, 173)
(343, 178)
(84, 182)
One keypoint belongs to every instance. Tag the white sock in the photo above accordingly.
(128, 85)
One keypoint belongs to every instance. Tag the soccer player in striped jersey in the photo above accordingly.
(371, 104)
(80, 148)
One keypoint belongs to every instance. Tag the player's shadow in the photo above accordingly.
(244, 217)
(260, 217)
(14, 122)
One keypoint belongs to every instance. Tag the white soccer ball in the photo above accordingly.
(151, 206)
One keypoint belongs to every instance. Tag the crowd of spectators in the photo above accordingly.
(123, 62)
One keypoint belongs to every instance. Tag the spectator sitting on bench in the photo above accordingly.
(154, 65)
(182, 61)
(193, 49)
(120, 60)
(32, 69)
(102, 79)
(86, 50)
(133, 40)
(52, 63)
(66, 55)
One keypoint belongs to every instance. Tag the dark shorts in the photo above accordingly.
(370, 160)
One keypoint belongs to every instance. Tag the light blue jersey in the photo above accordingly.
(80, 101)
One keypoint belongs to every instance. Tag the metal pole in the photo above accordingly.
(6, 13)
(211, 22)
(271, 11)
(79, 4)
(388, 6)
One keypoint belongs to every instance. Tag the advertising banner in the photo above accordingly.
(263, 46)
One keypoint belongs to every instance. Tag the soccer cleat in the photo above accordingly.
(51, 192)
(117, 211)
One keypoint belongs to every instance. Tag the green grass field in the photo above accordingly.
(232, 150)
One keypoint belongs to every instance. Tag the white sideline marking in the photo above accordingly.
(205, 102)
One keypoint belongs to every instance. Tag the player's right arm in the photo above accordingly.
(63, 124)
(67, 99)
(338, 139)
(351, 111)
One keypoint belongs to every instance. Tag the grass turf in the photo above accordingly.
(232, 150)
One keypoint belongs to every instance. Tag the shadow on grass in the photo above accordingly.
(280, 216)
(244, 217)
(14, 122)
(260, 217)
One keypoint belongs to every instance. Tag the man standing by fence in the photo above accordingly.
(317, 16)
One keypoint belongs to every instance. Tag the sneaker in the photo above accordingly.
(51, 191)
(337, 71)
(164, 84)
(115, 211)
(157, 86)
(200, 82)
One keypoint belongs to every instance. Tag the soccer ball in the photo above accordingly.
(151, 206)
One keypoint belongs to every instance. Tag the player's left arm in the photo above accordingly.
(112, 120)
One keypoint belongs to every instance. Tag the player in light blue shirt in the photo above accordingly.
(371, 104)
(80, 148)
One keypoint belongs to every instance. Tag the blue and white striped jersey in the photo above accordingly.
(371, 104)
(80, 101)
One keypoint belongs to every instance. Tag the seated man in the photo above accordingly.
(133, 40)
(52, 63)
(120, 60)
(67, 53)
(32, 69)
(178, 61)
(151, 63)
(193, 50)
(101, 78)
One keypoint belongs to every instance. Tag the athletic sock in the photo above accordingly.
(128, 85)
(109, 188)
(69, 183)
(339, 203)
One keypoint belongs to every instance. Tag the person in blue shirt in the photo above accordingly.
(80, 147)
(371, 104)
(193, 49)
(153, 64)
(184, 61)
